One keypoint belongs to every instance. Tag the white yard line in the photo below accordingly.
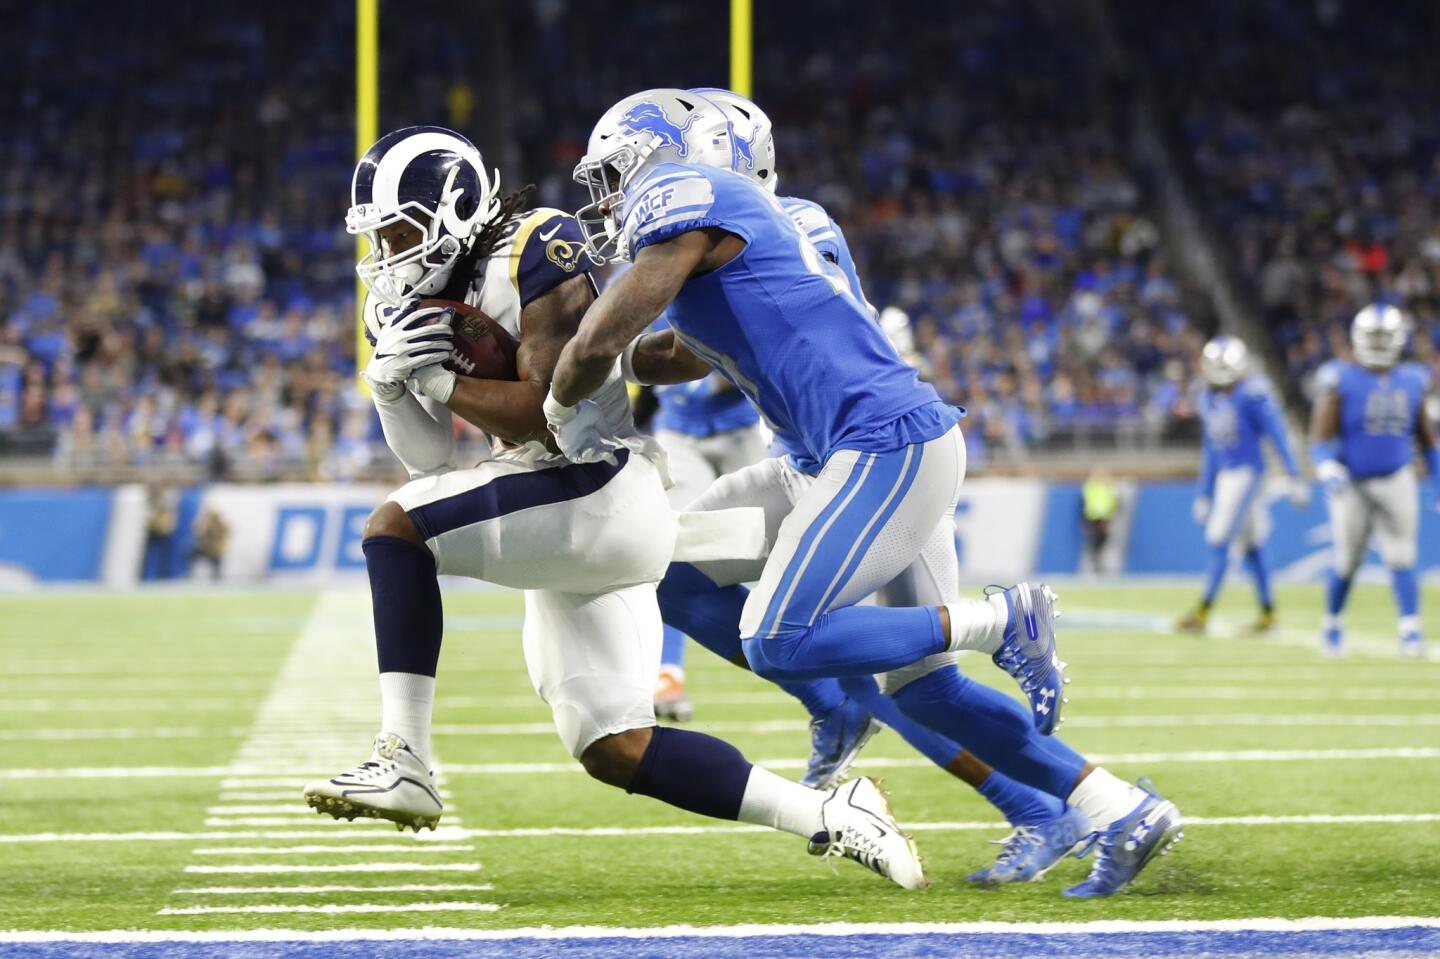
(294, 772)
(270, 868)
(752, 930)
(330, 908)
(316, 890)
(215, 822)
(447, 834)
(368, 847)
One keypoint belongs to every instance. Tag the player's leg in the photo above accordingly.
(691, 473)
(1251, 540)
(863, 521)
(1350, 520)
(1397, 538)
(1235, 493)
(706, 600)
(591, 658)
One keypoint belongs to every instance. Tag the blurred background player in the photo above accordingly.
(1368, 416)
(1099, 504)
(707, 428)
(1239, 412)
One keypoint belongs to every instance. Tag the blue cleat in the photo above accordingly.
(1128, 844)
(1028, 653)
(1031, 851)
(835, 741)
(1332, 642)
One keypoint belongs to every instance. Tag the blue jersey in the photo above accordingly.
(815, 223)
(778, 324)
(1379, 413)
(1236, 422)
(702, 407)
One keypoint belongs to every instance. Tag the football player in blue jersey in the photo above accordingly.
(1238, 411)
(1368, 417)
(749, 295)
(587, 543)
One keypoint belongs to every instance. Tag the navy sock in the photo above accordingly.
(409, 618)
(692, 771)
(1407, 591)
(939, 749)
(851, 641)
(1337, 588)
(708, 614)
(672, 648)
(994, 727)
(1215, 572)
(1021, 805)
(1255, 563)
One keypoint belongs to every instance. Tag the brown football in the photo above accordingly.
(483, 349)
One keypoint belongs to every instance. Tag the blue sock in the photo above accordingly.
(933, 746)
(851, 641)
(409, 618)
(692, 771)
(820, 697)
(994, 727)
(1021, 805)
(1255, 564)
(710, 614)
(672, 649)
(1407, 591)
(1336, 589)
(1215, 572)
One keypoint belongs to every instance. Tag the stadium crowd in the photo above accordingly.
(175, 286)
(1321, 169)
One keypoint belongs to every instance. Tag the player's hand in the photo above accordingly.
(1334, 475)
(579, 431)
(1297, 491)
(1200, 509)
(416, 337)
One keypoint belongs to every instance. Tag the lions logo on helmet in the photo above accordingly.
(1378, 336)
(635, 135)
(752, 132)
(1224, 361)
(432, 179)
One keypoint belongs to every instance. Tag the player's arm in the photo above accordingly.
(660, 359)
(1425, 435)
(632, 303)
(1325, 433)
(515, 411)
(1272, 424)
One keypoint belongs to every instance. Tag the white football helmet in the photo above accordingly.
(753, 134)
(1224, 360)
(637, 134)
(1378, 335)
(433, 179)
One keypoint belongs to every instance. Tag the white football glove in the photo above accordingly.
(1200, 509)
(1334, 475)
(416, 338)
(579, 431)
(1297, 491)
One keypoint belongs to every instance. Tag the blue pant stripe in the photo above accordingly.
(1246, 502)
(806, 547)
(909, 469)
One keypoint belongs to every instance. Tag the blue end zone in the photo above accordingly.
(1373, 943)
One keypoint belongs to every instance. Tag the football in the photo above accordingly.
(483, 349)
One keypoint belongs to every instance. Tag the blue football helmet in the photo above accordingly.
(433, 179)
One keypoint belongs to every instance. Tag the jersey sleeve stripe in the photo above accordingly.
(517, 244)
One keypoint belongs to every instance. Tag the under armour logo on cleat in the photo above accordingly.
(1138, 836)
(1043, 707)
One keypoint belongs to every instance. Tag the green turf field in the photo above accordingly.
(155, 745)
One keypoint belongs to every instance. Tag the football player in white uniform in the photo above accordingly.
(586, 542)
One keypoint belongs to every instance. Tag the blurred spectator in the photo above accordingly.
(210, 533)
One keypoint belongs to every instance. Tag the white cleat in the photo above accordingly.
(860, 826)
(392, 784)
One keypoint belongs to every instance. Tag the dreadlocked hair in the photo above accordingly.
(498, 228)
